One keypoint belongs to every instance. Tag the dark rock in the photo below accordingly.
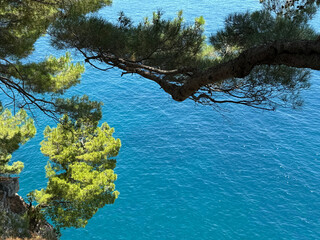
(17, 204)
(13, 221)
(9, 186)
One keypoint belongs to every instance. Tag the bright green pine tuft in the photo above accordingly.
(80, 172)
(15, 130)
(53, 75)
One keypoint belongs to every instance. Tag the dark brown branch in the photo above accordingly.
(299, 54)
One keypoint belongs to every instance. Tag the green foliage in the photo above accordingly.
(80, 172)
(245, 30)
(53, 75)
(21, 24)
(168, 44)
(80, 109)
(15, 130)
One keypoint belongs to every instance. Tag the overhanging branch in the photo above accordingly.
(298, 54)
(185, 83)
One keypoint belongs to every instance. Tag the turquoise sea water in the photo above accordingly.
(186, 171)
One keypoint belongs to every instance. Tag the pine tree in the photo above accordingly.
(80, 171)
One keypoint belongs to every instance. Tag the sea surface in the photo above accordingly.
(186, 171)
